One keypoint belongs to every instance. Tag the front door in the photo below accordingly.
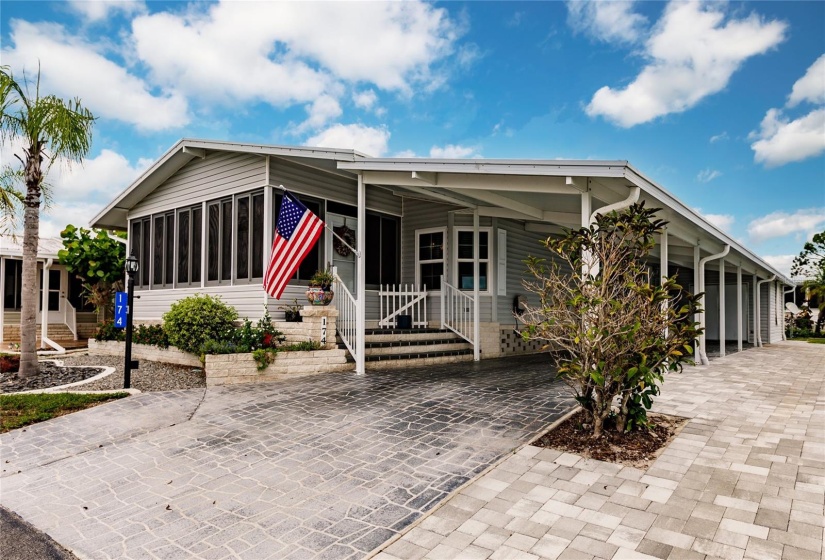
(56, 294)
(342, 256)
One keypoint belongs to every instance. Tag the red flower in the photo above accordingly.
(267, 342)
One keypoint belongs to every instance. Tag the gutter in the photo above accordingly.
(758, 317)
(703, 355)
(632, 199)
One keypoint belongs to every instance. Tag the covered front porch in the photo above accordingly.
(467, 227)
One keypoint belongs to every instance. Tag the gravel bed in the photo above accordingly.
(150, 376)
(50, 376)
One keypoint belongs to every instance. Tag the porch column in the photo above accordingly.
(360, 307)
(722, 333)
(268, 230)
(739, 307)
(476, 282)
(2, 296)
(755, 311)
(44, 302)
(663, 256)
(587, 211)
(697, 287)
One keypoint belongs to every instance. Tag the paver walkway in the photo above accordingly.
(324, 467)
(744, 479)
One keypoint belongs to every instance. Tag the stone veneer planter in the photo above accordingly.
(169, 355)
(231, 369)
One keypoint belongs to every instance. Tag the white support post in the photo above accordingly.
(360, 307)
(697, 287)
(722, 333)
(2, 297)
(587, 210)
(756, 310)
(476, 282)
(664, 273)
(44, 302)
(739, 307)
(268, 229)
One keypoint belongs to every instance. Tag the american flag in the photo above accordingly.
(297, 231)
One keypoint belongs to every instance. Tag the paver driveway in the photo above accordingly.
(323, 467)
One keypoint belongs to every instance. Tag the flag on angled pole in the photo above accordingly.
(297, 231)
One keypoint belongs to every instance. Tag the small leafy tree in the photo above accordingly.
(612, 334)
(99, 260)
(810, 265)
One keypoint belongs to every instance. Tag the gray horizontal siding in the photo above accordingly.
(520, 245)
(218, 174)
(313, 182)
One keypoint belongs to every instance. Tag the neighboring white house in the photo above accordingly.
(201, 220)
(63, 314)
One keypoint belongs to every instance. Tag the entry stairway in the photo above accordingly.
(58, 332)
(386, 348)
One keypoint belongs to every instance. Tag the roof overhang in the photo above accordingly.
(507, 188)
(114, 215)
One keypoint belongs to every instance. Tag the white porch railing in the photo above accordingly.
(457, 312)
(402, 300)
(70, 317)
(347, 323)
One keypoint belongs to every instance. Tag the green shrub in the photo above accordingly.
(153, 335)
(222, 347)
(193, 321)
(107, 331)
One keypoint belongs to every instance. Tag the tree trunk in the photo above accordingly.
(621, 418)
(598, 426)
(820, 319)
(29, 294)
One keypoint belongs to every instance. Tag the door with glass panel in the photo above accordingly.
(340, 255)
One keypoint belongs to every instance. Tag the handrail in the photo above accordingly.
(70, 317)
(402, 298)
(457, 311)
(347, 316)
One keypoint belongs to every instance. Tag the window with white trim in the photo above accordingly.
(465, 255)
(430, 252)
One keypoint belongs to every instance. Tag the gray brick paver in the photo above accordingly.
(744, 479)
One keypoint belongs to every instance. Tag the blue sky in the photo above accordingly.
(723, 104)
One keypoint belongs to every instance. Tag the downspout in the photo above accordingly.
(784, 293)
(703, 355)
(590, 263)
(759, 310)
(633, 198)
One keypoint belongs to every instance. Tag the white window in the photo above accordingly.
(430, 257)
(465, 254)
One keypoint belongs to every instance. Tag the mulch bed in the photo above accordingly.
(638, 448)
(50, 376)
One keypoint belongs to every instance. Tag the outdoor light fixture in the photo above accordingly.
(132, 264)
(132, 267)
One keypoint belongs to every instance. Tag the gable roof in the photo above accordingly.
(113, 216)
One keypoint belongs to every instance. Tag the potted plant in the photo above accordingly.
(292, 313)
(320, 288)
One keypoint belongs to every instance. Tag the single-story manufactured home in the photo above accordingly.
(441, 240)
(63, 314)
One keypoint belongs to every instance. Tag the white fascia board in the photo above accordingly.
(687, 213)
(492, 167)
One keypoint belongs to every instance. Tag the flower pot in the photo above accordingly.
(292, 316)
(319, 296)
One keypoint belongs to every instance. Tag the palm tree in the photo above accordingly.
(50, 129)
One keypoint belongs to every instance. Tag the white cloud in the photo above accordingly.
(452, 151)
(693, 53)
(782, 141)
(321, 111)
(606, 20)
(405, 154)
(722, 221)
(811, 86)
(72, 68)
(780, 262)
(293, 52)
(54, 219)
(708, 175)
(104, 175)
(366, 139)
(719, 137)
(96, 10)
(365, 99)
(780, 224)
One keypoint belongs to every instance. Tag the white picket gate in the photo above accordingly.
(402, 300)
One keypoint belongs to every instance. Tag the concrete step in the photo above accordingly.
(417, 359)
(410, 347)
(415, 347)
(405, 335)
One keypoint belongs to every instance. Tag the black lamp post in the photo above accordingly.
(132, 267)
